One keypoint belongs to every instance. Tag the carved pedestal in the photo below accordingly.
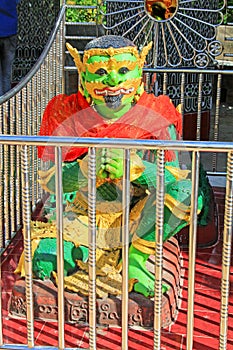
(141, 309)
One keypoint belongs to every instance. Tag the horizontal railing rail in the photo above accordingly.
(213, 146)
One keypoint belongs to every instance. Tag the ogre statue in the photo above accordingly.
(111, 103)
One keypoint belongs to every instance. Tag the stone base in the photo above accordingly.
(141, 309)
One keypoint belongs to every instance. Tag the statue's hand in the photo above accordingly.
(100, 167)
(113, 163)
(109, 163)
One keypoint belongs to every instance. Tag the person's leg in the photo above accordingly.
(8, 55)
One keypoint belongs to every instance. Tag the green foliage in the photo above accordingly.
(227, 12)
(83, 14)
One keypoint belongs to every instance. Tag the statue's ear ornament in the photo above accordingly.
(144, 53)
(77, 59)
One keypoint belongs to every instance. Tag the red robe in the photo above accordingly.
(73, 116)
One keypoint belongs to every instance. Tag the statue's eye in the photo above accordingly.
(101, 71)
(123, 70)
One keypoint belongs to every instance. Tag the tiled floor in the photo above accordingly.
(206, 308)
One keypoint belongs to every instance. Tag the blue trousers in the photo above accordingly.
(7, 55)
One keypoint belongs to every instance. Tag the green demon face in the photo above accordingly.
(112, 82)
(111, 78)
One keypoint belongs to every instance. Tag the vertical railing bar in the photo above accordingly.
(62, 51)
(33, 156)
(6, 185)
(36, 125)
(47, 78)
(50, 75)
(29, 132)
(44, 99)
(29, 106)
(1, 183)
(18, 153)
(57, 65)
(13, 165)
(60, 249)
(26, 124)
(165, 80)
(92, 245)
(159, 248)
(147, 82)
(24, 111)
(37, 110)
(181, 107)
(226, 254)
(125, 248)
(43, 87)
(192, 248)
(54, 84)
(19, 111)
(39, 113)
(156, 46)
(216, 120)
(1, 219)
(1, 296)
(199, 108)
(27, 244)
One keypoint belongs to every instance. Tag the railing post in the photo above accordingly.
(92, 245)
(159, 249)
(226, 254)
(125, 249)
(60, 249)
(192, 248)
(27, 245)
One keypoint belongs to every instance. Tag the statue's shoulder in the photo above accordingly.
(150, 98)
(163, 105)
(60, 108)
(63, 103)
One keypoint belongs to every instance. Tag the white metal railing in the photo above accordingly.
(21, 112)
(195, 148)
(20, 115)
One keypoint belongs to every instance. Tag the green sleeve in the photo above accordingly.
(72, 178)
(149, 175)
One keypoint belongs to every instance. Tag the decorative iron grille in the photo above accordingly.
(36, 21)
(187, 38)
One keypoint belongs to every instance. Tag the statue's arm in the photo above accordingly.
(72, 177)
(172, 169)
